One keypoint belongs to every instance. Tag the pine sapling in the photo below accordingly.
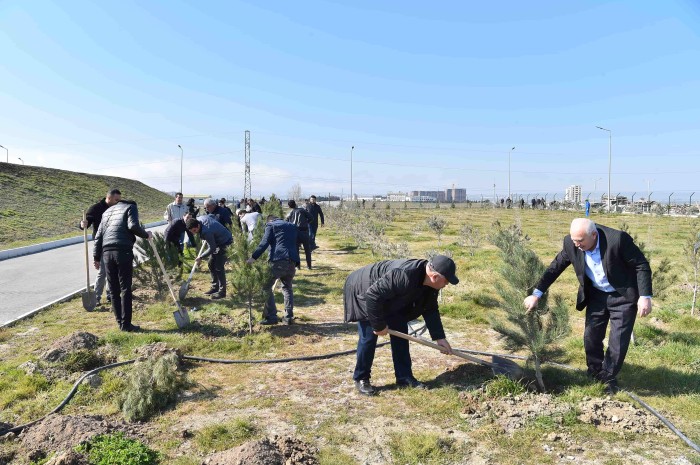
(539, 329)
(248, 281)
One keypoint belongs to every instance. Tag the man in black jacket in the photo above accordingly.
(92, 218)
(614, 286)
(315, 211)
(389, 294)
(114, 244)
(301, 218)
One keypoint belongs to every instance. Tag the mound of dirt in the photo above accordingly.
(619, 417)
(514, 412)
(276, 451)
(58, 433)
(156, 350)
(68, 458)
(60, 349)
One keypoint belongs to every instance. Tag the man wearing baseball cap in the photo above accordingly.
(389, 294)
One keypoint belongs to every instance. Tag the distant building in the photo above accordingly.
(573, 194)
(439, 195)
(455, 194)
(397, 197)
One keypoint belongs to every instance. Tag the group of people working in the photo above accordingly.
(614, 282)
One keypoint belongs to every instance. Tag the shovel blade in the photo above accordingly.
(89, 301)
(183, 290)
(503, 366)
(182, 318)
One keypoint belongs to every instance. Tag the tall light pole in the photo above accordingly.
(7, 154)
(351, 150)
(182, 155)
(609, 162)
(20, 160)
(511, 151)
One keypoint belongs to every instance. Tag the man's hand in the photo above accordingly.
(197, 261)
(96, 264)
(531, 302)
(150, 235)
(250, 261)
(447, 349)
(383, 332)
(83, 224)
(643, 306)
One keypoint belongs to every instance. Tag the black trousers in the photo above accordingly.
(216, 268)
(304, 240)
(120, 267)
(620, 313)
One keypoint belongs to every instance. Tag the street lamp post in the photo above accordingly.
(182, 155)
(609, 162)
(351, 150)
(511, 151)
(7, 154)
(20, 160)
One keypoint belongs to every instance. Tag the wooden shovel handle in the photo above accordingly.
(201, 251)
(165, 274)
(455, 352)
(87, 259)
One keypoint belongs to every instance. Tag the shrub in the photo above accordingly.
(437, 225)
(83, 360)
(116, 449)
(153, 385)
(502, 386)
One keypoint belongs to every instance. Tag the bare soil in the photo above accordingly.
(275, 451)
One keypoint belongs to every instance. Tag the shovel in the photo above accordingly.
(182, 318)
(185, 287)
(89, 300)
(499, 365)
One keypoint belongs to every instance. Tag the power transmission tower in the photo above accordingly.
(246, 187)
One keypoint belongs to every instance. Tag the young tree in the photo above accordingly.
(271, 207)
(248, 281)
(692, 250)
(536, 330)
(295, 192)
(471, 237)
(437, 225)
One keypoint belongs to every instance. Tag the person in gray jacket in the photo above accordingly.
(389, 294)
(218, 237)
(114, 245)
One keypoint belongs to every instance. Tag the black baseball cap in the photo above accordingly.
(446, 267)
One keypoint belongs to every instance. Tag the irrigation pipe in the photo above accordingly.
(420, 330)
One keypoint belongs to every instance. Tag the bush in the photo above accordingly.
(502, 386)
(116, 449)
(153, 385)
(83, 360)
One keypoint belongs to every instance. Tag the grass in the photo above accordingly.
(41, 204)
(315, 400)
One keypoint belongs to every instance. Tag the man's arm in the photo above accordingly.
(320, 213)
(556, 268)
(264, 242)
(133, 222)
(637, 262)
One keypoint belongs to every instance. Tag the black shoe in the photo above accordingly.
(268, 322)
(218, 295)
(212, 290)
(131, 329)
(364, 387)
(611, 386)
(411, 382)
(309, 267)
(109, 299)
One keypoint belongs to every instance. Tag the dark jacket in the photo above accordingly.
(216, 234)
(392, 287)
(625, 266)
(281, 237)
(222, 215)
(300, 217)
(256, 208)
(315, 211)
(94, 215)
(118, 228)
(175, 230)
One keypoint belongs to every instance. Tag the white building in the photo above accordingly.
(397, 197)
(573, 194)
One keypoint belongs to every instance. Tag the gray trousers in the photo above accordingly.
(283, 270)
(101, 280)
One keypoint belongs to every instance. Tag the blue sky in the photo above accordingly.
(429, 95)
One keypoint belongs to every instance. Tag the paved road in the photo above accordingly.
(32, 281)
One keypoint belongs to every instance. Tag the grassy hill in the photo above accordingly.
(38, 204)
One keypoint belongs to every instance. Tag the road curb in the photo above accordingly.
(36, 248)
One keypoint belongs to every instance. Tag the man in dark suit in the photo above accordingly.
(614, 286)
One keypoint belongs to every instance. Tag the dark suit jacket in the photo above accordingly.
(625, 266)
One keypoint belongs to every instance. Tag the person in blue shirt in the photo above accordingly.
(218, 237)
(588, 208)
(281, 237)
